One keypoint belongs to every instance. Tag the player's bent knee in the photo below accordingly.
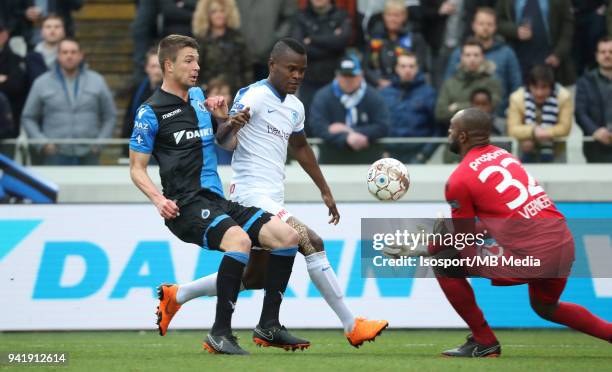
(315, 241)
(236, 240)
(290, 237)
(544, 310)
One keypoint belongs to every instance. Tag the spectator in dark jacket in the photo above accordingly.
(44, 55)
(223, 51)
(541, 32)
(6, 118)
(349, 116)
(593, 108)
(144, 35)
(590, 27)
(390, 40)
(263, 23)
(609, 18)
(438, 14)
(326, 31)
(411, 102)
(507, 67)
(34, 11)
(141, 92)
(13, 80)
(7, 126)
(177, 16)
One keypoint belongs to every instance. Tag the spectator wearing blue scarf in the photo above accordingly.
(350, 116)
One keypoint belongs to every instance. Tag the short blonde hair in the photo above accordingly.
(201, 17)
(395, 5)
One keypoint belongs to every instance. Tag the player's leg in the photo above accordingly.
(236, 244)
(458, 291)
(357, 330)
(282, 240)
(320, 272)
(544, 297)
(253, 278)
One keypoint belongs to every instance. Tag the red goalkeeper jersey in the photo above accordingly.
(493, 186)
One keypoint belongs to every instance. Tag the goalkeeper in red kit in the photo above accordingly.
(490, 191)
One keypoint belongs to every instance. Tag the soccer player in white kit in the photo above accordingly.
(260, 152)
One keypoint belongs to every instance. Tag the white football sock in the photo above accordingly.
(324, 278)
(205, 286)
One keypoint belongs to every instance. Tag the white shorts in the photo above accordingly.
(264, 202)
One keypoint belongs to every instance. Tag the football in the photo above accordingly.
(388, 179)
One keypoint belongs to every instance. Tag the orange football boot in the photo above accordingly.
(365, 330)
(168, 307)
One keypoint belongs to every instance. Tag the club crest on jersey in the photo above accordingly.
(205, 213)
(294, 117)
(202, 106)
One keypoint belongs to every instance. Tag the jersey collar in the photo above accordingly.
(267, 83)
(173, 98)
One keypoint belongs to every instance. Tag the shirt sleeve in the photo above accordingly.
(299, 123)
(245, 97)
(145, 130)
(459, 198)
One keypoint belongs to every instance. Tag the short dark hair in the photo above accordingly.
(69, 39)
(484, 91)
(52, 16)
(486, 10)
(472, 41)
(286, 44)
(541, 74)
(604, 39)
(150, 53)
(170, 46)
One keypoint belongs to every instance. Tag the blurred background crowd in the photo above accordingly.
(396, 70)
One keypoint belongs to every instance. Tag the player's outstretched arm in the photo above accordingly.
(138, 172)
(302, 151)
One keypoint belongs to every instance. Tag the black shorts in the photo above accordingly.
(205, 219)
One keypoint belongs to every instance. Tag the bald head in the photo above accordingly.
(470, 127)
(474, 121)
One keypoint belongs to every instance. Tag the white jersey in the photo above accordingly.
(258, 163)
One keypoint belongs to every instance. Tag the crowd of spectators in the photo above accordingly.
(392, 68)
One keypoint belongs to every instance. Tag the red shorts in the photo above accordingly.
(547, 291)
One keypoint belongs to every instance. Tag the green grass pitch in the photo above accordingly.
(394, 350)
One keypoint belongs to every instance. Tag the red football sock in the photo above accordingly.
(461, 295)
(580, 319)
